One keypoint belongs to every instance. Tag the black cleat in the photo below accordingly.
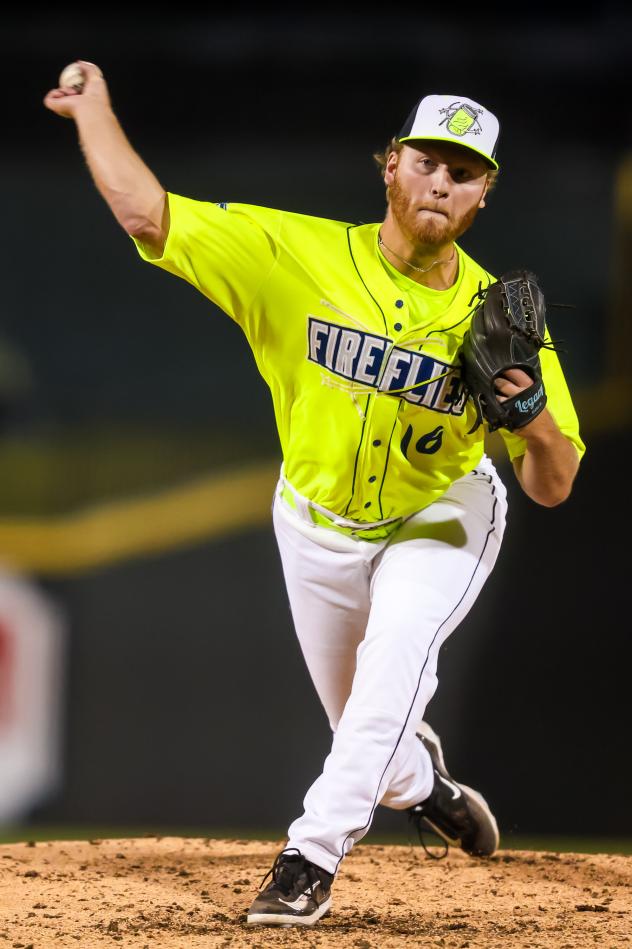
(456, 813)
(299, 893)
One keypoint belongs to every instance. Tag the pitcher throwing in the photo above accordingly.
(388, 514)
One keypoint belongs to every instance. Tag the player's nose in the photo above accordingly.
(439, 184)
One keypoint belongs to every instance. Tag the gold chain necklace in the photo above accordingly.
(408, 263)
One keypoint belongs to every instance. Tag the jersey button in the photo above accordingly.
(376, 442)
(399, 304)
(397, 327)
(368, 504)
(372, 479)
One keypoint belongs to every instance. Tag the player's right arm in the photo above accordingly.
(134, 194)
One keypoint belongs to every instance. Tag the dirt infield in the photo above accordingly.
(185, 893)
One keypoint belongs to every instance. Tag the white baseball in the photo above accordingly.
(72, 77)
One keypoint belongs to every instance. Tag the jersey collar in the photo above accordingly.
(364, 251)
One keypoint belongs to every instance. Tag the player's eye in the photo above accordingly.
(462, 174)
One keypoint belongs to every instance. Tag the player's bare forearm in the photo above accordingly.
(547, 469)
(134, 194)
(132, 191)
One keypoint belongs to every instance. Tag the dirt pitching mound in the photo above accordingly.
(185, 893)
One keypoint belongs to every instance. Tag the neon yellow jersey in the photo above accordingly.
(361, 362)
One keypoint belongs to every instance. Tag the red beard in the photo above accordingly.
(433, 231)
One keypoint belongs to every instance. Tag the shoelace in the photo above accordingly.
(294, 866)
(422, 825)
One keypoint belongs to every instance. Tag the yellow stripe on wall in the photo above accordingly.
(207, 508)
(210, 508)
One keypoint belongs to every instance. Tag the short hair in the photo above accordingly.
(381, 158)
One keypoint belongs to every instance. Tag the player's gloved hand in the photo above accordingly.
(511, 383)
(66, 101)
(500, 352)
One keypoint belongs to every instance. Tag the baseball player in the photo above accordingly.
(388, 514)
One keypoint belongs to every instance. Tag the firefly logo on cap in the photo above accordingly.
(453, 119)
(462, 118)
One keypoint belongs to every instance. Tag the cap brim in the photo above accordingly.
(439, 138)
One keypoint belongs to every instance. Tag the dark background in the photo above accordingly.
(187, 699)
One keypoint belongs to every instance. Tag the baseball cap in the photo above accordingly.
(454, 119)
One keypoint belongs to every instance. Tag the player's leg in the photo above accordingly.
(483, 496)
(424, 583)
(327, 579)
(328, 584)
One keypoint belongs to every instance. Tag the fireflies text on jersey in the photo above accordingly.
(360, 356)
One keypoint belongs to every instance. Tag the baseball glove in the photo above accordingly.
(506, 332)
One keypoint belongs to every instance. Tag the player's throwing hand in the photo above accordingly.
(66, 100)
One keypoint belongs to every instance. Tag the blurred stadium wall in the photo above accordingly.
(139, 458)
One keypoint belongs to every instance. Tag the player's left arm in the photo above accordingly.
(548, 467)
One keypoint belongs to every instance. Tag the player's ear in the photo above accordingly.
(481, 203)
(390, 167)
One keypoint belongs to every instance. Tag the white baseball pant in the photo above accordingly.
(370, 618)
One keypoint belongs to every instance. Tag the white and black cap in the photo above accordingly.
(454, 119)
